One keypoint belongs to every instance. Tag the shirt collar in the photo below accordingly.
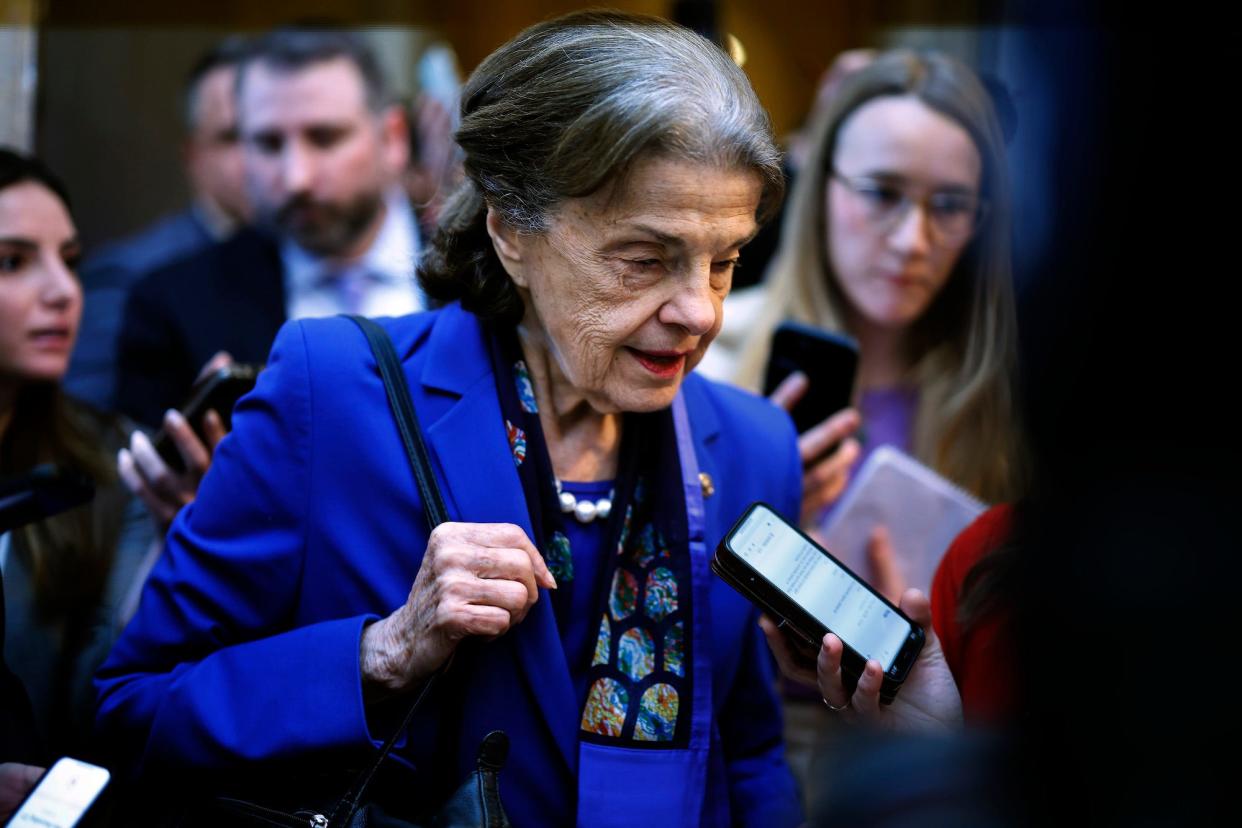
(393, 256)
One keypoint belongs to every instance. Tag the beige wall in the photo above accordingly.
(109, 121)
(18, 77)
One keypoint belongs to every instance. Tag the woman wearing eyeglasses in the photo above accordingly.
(897, 233)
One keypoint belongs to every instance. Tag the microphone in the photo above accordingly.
(40, 493)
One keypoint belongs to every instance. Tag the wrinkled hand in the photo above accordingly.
(885, 573)
(476, 580)
(16, 780)
(823, 477)
(928, 700)
(163, 490)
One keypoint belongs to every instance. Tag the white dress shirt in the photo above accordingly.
(315, 286)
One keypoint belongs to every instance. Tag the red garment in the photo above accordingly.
(981, 657)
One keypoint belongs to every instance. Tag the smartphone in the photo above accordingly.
(63, 795)
(43, 491)
(830, 362)
(793, 579)
(219, 391)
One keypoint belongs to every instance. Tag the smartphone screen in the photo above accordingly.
(826, 590)
(62, 797)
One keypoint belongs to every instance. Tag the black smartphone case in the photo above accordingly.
(219, 391)
(799, 622)
(830, 362)
(850, 671)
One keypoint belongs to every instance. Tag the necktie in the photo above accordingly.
(352, 286)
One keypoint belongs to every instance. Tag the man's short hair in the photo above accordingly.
(291, 49)
(228, 53)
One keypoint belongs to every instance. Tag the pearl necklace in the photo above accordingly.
(584, 511)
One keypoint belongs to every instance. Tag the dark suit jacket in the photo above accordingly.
(230, 297)
(18, 741)
(107, 278)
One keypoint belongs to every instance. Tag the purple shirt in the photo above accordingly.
(887, 420)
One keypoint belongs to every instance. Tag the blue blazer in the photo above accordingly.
(245, 646)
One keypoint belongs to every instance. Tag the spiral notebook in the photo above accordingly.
(923, 512)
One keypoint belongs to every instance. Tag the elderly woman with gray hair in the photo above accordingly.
(615, 167)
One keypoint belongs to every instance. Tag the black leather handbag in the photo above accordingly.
(476, 803)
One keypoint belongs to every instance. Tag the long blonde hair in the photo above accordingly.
(967, 340)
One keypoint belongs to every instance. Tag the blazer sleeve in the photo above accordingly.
(212, 671)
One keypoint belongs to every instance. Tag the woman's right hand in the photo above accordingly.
(162, 490)
(144, 472)
(476, 580)
(928, 701)
(16, 780)
(824, 477)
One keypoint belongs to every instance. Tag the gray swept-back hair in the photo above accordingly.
(566, 108)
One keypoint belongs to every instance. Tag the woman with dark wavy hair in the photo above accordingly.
(65, 577)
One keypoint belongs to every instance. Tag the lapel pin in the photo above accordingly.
(705, 480)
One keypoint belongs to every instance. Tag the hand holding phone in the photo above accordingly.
(16, 782)
(217, 390)
(795, 581)
(828, 453)
(929, 699)
(811, 375)
(803, 589)
(190, 436)
(62, 797)
(828, 361)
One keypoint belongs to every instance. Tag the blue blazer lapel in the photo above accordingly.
(481, 485)
(704, 421)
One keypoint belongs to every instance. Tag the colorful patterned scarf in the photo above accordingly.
(640, 688)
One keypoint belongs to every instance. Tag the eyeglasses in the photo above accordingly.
(954, 216)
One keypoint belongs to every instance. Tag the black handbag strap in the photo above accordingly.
(407, 422)
(433, 504)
